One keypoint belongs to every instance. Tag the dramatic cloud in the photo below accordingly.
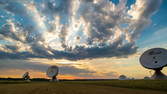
(25, 65)
(72, 29)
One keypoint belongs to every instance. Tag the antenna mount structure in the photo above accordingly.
(155, 59)
(52, 72)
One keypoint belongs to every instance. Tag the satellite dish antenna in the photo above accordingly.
(155, 59)
(122, 77)
(26, 76)
(52, 72)
(146, 78)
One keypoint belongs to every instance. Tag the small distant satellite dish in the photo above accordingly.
(26, 76)
(122, 77)
(155, 59)
(132, 78)
(52, 72)
(146, 78)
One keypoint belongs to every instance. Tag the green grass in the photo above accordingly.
(137, 84)
(13, 82)
(85, 87)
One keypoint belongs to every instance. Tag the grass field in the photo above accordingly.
(85, 87)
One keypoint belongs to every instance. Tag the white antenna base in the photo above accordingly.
(28, 80)
(158, 75)
(54, 79)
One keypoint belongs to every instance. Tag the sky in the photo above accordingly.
(86, 39)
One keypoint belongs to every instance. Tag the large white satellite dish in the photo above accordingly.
(52, 72)
(155, 59)
(26, 76)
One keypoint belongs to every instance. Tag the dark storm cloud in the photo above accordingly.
(5, 30)
(37, 66)
(22, 65)
(97, 52)
(64, 70)
(81, 53)
(13, 48)
(17, 55)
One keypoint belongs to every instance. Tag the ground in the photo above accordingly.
(84, 87)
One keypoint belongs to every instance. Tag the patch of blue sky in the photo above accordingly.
(39, 1)
(4, 16)
(16, 8)
(128, 4)
(158, 38)
(5, 42)
(115, 1)
(124, 25)
(25, 20)
(160, 18)
(64, 18)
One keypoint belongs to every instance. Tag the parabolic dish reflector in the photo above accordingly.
(25, 75)
(154, 58)
(52, 71)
